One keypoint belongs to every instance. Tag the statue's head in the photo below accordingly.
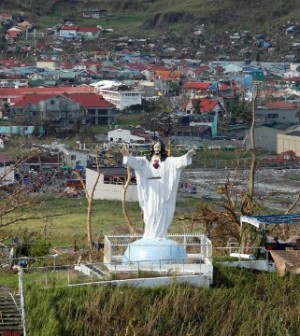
(158, 148)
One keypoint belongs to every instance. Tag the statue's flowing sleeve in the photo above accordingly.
(175, 165)
(139, 164)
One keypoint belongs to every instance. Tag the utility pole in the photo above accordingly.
(21, 293)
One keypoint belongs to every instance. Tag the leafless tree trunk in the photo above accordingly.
(90, 198)
(247, 207)
(125, 211)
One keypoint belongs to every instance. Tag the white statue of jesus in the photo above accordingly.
(157, 182)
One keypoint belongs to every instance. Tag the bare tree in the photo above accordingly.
(226, 216)
(17, 203)
(247, 203)
(90, 198)
(131, 227)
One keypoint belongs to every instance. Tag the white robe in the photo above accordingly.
(157, 189)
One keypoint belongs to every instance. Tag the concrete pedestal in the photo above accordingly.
(154, 251)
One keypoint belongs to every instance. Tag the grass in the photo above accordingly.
(292, 177)
(240, 303)
(128, 18)
(64, 230)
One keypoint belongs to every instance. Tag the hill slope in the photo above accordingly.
(259, 15)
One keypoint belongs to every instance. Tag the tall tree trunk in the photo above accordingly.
(90, 199)
(89, 226)
(125, 212)
(253, 153)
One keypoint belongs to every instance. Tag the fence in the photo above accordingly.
(195, 245)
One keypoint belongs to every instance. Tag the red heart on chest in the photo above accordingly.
(155, 164)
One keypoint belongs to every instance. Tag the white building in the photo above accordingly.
(232, 68)
(68, 31)
(70, 157)
(75, 158)
(110, 184)
(126, 135)
(122, 96)
(7, 171)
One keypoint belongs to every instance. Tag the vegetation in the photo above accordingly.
(154, 17)
(64, 230)
(240, 303)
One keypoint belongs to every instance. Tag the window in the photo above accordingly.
(272, 116)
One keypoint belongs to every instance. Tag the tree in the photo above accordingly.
(17, 203)
(90, 198)
(131, 227)
(239, 113)
(223, 223)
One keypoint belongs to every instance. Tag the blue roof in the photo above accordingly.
(271, 219)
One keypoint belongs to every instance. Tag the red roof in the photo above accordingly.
(5, 16)
(32, 99)
(202, 69)
(84, 99)
(225, 87)
(6, 158)
(280, 105)
(89, 100)
(292, 79)
(155, 67)
(13, 33)
(137, 66)
(10, 62)
(219, 68)
(11, 92)
(289, 152)
(185, 105)
(66, 65)
(91, 62)
(197, 85)
(208, 105)
(69, 28)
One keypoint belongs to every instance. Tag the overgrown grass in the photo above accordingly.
(107, 218)
(240, 303)
(293, 177)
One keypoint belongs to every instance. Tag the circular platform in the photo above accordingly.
(155, 251)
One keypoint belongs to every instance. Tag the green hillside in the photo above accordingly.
(158, 16)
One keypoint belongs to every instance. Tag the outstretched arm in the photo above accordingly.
(131, 161)
(124, 150)
(191, 152)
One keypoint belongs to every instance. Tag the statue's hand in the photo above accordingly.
(191, 152)
(124, 151)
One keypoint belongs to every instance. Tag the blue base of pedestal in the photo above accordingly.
(155, 251)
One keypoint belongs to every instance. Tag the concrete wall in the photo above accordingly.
(265, 138)
(287, 142)
(284, 116)
(109, 191)
(198, 280)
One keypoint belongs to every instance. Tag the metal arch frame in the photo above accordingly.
(265, 220)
